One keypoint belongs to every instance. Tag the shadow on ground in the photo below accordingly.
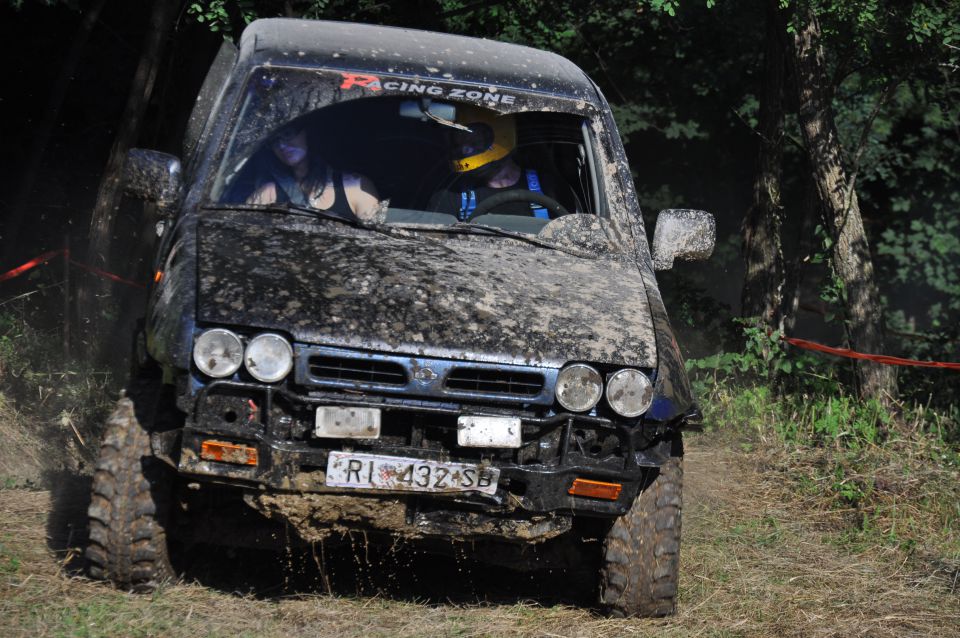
(351, 565)
(67, 520)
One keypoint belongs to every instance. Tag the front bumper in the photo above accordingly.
(534, 479)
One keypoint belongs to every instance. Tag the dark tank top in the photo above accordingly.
(340, 206)
(289, 191)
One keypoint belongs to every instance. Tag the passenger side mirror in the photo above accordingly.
(682, 234)
(154, 177)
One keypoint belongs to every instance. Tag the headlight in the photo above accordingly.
(579, 387)
(268, 358)
(218, 353)
(629, 392)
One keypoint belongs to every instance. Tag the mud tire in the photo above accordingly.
(641, 552)
(129, 506)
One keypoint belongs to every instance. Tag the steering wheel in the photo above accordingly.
(518, 195)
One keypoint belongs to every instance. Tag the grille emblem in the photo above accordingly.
(425, 375)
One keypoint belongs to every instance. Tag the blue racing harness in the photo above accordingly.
(468, 199)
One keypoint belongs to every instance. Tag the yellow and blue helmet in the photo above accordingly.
(491, 138)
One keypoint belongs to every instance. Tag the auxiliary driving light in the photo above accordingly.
(579, 387)
(218, 353)
(268, 358)
(629, 392)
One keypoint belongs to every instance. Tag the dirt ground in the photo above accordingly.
(756, 561)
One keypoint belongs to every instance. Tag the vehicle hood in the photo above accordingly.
(473, 298)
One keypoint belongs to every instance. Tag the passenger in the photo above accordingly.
(485, 165)
(297, 176)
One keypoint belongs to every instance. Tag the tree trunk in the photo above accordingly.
(43, 132)
(762, 294)
(793, 278)
(851, 252)
(108, 196)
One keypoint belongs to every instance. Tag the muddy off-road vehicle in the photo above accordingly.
(499, 378)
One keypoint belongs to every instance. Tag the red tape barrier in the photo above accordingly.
(30, 265)
(104, 273)
(47, 256)
(879, 358)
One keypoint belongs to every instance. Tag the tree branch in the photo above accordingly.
(862, 144)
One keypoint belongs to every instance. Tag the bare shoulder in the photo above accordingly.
(266, 194)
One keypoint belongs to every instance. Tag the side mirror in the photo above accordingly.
(682, 234)
(154, 177)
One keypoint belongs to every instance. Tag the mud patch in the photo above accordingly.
(316, 516)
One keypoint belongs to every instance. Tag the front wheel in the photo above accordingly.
(129, 505)
(641, 552)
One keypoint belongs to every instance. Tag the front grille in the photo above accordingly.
(524, 384)
(357, 370)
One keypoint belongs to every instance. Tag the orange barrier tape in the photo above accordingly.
(879, 358)
(104, 273)
(47, 256)
(33, 263)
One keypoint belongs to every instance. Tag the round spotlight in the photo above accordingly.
(218, 353)
(268, 358)
(629, 392)
(579, 387)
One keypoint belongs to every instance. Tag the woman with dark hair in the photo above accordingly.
(300, 177)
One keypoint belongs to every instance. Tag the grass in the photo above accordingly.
(883, 481)
(757, 560)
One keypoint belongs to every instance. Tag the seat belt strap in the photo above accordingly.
(468, 203)
(533, 185)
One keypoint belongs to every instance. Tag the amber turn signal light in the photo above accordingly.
(595, 489)
(228, 453)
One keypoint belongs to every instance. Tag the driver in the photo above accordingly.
(484, 165)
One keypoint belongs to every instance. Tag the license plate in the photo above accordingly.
(372, 471)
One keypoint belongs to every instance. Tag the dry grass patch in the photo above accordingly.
(766, 563)
(756, 562)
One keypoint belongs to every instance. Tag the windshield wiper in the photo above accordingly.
(302, 211)
(474, 229)
(306, 211)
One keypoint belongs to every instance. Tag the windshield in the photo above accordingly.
(407, 159)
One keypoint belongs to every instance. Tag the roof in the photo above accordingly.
(409, 52)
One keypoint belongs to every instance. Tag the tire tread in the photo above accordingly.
(128, 544)
(641, 552)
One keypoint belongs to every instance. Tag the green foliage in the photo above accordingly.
(217, 15)
(800, 396)
(763, 358)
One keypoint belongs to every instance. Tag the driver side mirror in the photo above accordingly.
(154, 177)
(682, 234)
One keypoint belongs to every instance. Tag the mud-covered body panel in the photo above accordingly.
(465, 298)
